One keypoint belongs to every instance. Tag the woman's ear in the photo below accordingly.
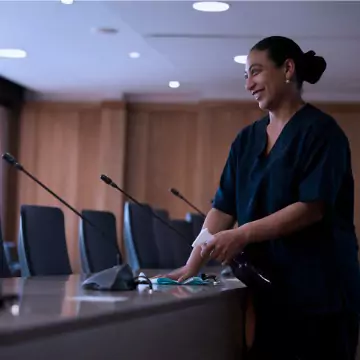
(289, 69)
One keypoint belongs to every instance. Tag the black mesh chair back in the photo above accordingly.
(165, 238)
(98, 246)
(140, 245)
(42, 244)
(196, 221)
(182, 244)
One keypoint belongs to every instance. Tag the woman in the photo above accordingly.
(288, 184)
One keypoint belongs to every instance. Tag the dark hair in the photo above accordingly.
(308, 66)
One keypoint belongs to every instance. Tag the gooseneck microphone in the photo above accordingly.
(12, 161)
(109, 182)
(180, 196)
(119, 277)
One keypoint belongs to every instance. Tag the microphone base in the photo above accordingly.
(117, 278)
(8, 299)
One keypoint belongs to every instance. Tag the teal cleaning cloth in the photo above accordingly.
(191, 281)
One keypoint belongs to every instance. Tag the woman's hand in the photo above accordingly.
(181, 274)
(225, 245)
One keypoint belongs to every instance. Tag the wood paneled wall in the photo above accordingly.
(147, 148)
(181, 146)
(68, 147)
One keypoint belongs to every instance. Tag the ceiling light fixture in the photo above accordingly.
(12, 53)
(134, 55)
(106, 30)
(211, 6)
(174, 84)
(67, 2)
(240, 59)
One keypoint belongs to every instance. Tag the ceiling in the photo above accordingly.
(67, 60)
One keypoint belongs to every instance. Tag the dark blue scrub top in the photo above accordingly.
(317, 268)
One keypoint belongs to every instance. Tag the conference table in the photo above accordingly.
(55, 318)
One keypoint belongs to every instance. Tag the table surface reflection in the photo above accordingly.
(49, 303)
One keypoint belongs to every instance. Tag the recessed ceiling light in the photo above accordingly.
(211, 6)
(174, 84)
(241, 59)
(12, 53)
(134, 55)
(106, 30)
(67, 2)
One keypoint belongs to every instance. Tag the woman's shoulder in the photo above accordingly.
(322, 124)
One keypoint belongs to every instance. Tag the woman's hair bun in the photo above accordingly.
(312, 68)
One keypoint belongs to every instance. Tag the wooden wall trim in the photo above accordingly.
(75, 106)
(343, 107)
(338, 107)
(333, 107)
(229, 104)
(115, 105)
(183, 107)
(62, 106)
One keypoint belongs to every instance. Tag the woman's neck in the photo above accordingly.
(283, 113)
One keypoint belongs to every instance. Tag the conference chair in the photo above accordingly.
(98, 246)
(197, 222)
(165, 238)
(42, 244)
(4, 268)
(140, 245)
(182, 244)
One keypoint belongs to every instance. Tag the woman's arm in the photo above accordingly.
(215, 222)
(283, 222)
(227, 244)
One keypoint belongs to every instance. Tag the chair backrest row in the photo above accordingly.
(148, 242)
(42, 246)
(166, 257)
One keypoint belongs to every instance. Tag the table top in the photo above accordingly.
(59, 303)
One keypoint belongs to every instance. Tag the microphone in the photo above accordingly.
(12, 161)
(180, 196)
(108, 181)
(120, 277)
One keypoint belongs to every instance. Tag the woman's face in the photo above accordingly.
(265, 81)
